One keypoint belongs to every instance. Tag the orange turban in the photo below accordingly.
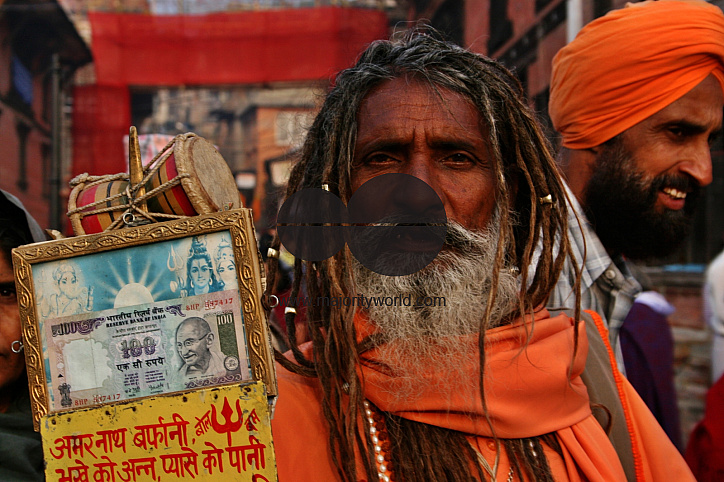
(630, 64)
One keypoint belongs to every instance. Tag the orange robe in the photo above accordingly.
(528, 393)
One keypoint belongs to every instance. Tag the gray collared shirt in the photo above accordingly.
(607, 285)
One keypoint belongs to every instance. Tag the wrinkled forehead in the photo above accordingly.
(435, 93)
(408, 103)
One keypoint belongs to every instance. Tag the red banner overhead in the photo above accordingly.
(231, 48)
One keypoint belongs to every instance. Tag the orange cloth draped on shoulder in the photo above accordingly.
(529, 392)
(631, 63)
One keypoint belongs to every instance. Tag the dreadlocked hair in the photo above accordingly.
(526, 174)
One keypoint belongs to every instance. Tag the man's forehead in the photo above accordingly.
(406, 101)
(700, 108)
(398, 87)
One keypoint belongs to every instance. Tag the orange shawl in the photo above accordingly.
(631, 63)
(529, 392)
(518, 384)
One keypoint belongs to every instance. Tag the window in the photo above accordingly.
(501, 28)
(22, 81)
(22, 130)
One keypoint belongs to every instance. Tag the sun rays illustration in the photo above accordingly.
(126, 287)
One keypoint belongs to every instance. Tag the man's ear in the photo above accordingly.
(210, 339)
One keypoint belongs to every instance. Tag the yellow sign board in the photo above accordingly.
(220, 433)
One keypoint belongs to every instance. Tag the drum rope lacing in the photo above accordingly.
(84, 181)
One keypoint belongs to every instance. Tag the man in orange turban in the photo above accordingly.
(637, 98)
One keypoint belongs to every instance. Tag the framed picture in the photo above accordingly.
(143, 311)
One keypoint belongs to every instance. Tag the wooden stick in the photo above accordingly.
(135, 166)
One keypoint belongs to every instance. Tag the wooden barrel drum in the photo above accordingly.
(189, 177)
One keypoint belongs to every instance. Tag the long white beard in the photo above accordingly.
(421, 339)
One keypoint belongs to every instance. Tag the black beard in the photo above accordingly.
(620, 202)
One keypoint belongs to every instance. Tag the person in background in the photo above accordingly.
(21, 454)
(714, 313)
(278, 314)
(637, 99)
(647, 345)
(705, 450)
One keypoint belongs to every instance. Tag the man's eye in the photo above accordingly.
(682, 131)
(7, 293)
(459, 158)
(379, 159)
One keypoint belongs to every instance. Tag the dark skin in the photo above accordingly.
(676, 140)
(12, 365)
(405, 127)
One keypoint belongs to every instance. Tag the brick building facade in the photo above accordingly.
(39, 50)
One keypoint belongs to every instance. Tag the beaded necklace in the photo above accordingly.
(380, 439)
(378, 435)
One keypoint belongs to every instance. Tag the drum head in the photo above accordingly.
(210, 185)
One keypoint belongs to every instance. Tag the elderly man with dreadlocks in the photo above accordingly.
(488, 385)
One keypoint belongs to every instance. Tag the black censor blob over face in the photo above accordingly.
(394, 224)
(398, 224)
(621, 202)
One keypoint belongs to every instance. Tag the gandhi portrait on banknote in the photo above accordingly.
(196, 347)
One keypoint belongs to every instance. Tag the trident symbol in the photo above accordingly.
(230, 425)
(174, 263)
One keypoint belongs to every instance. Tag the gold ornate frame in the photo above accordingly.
(237, 222)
